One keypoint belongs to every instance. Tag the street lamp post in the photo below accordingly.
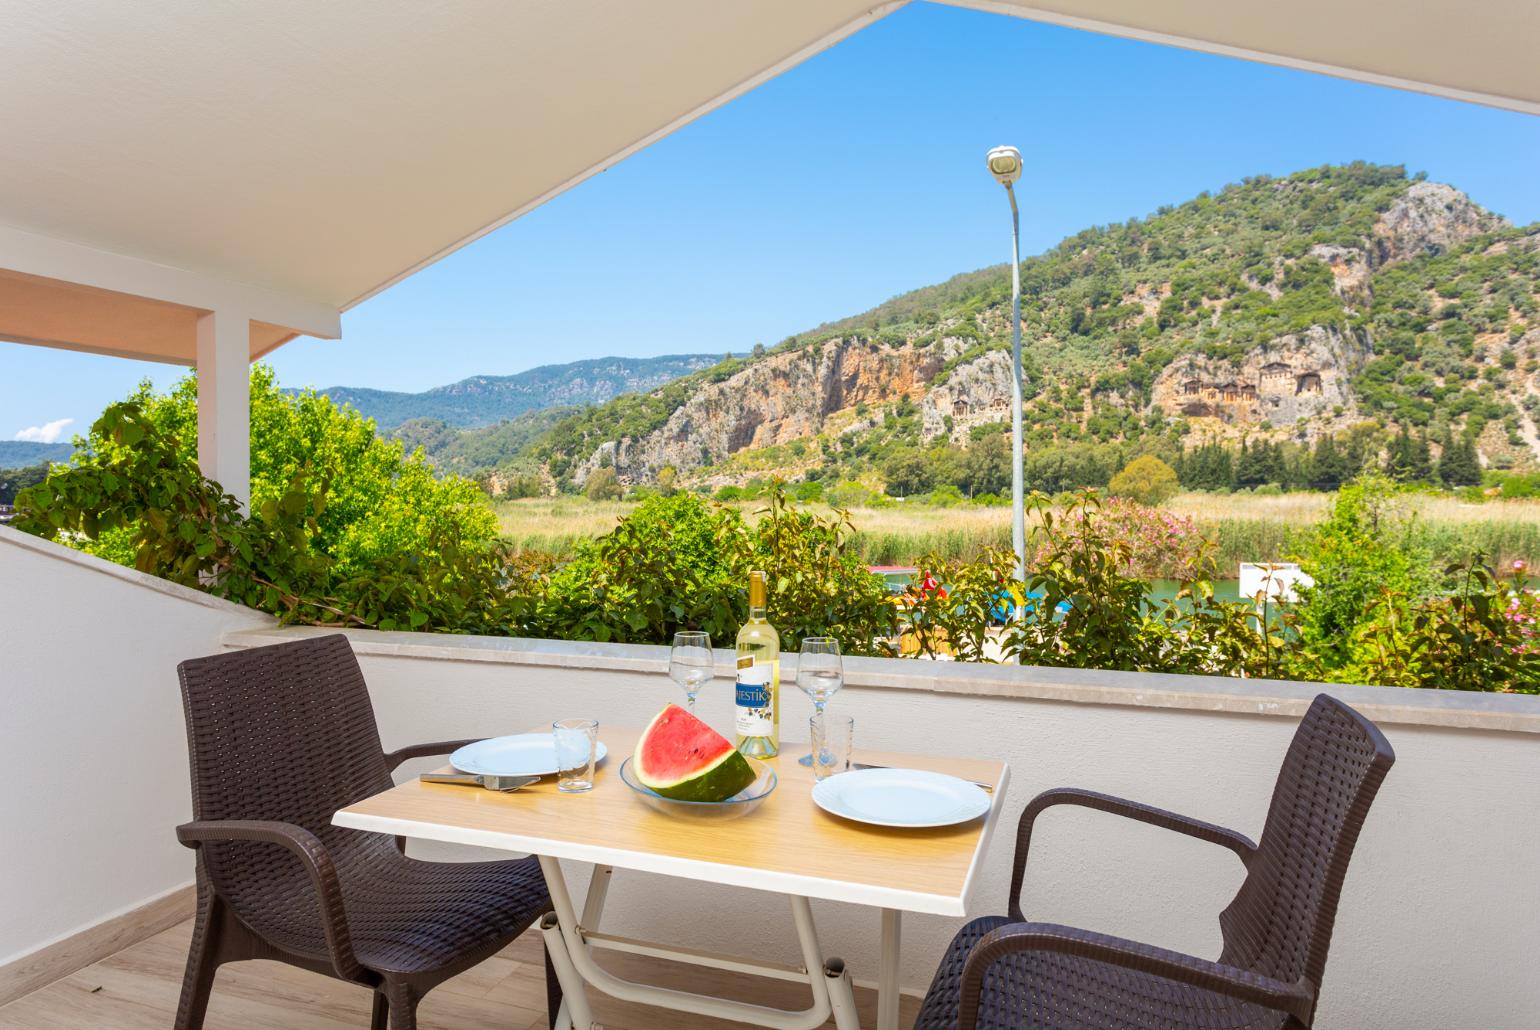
(1005, 165)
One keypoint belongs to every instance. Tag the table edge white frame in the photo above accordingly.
(570, 940)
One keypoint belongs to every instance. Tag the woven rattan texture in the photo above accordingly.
(1276, 931)
(286, 735)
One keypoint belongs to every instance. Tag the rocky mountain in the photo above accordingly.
(486, 400)
(1278, 309)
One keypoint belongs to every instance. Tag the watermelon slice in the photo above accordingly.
(682, 758)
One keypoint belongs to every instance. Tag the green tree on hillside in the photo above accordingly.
(907, 473)
(1458, 464)
(1208, 467)
(1330, 467)
(1407, 459)
(1147, 480)
(1253, 465)
(13, 481)
(603, 485)
(987, 466)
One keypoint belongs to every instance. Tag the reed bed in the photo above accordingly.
(1245, 527)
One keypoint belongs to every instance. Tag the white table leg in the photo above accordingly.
(569, 944)
(574, 995)
(598, 890)
(887, 972)
(842, 996)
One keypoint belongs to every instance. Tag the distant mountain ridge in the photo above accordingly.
(486, 400)
(16, 454)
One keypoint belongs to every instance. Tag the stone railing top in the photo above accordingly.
(1513, 713)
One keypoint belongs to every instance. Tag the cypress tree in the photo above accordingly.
(1277, 465)
(1328, 465)
(1400, 458)
(1422, 460)
(1251, 465)
(1458, 465)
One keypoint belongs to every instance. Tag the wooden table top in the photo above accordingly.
(787, 845)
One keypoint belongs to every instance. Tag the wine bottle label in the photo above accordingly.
(756, 700)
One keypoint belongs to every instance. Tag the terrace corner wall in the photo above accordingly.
(93, 751)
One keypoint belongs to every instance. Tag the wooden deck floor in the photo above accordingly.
(137, 989)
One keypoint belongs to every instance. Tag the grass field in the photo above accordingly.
(1246, 527)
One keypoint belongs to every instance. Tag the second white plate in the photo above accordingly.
(912, 798)
(523, 754)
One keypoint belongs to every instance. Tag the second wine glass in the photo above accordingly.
(820, 674)
(690, 664)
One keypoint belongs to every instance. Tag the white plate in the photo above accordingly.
(523, 754)
(900, 797)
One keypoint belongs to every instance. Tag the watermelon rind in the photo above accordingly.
(717, 781)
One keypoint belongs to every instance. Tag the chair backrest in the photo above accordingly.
(1280, 922)
(283, 732)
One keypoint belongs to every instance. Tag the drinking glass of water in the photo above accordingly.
(820, 674)
(690, 664)
(577, 741)
(833, 738)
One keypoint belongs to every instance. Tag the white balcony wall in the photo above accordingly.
(1439, 922)
(93, 753)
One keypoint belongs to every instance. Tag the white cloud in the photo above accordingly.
(49, 432)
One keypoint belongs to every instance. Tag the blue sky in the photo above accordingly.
(854, 177)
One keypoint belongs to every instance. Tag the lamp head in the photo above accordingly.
(1005, 165)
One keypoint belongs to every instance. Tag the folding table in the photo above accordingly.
(787, 845)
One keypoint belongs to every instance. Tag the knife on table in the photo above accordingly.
(506, 784)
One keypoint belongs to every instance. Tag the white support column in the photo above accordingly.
(224, 400)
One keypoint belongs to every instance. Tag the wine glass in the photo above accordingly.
(820, 674)
(690, 664)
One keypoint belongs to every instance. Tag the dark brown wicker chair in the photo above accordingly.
(1001, 972)
(279, 738)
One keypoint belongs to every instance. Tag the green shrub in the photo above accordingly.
(1084, 609)
(682, 563)
(1366, 552)
(380, 501)
(603, 485)
(1481, 636)
(142, 492)
(954, 617)
(667, 566)
(808, 491)
(1147, 480)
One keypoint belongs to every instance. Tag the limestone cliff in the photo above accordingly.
(1295, 378)
(790, 395)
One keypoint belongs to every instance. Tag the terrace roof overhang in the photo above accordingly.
(274, 164)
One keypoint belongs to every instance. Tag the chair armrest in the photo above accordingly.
(312, 854)
(1236, 842)
(1297, 999)
(393, 759)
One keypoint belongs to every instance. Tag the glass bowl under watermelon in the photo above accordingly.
(684, 768)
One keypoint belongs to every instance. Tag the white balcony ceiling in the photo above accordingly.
(1476, 50)
(320, 151)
